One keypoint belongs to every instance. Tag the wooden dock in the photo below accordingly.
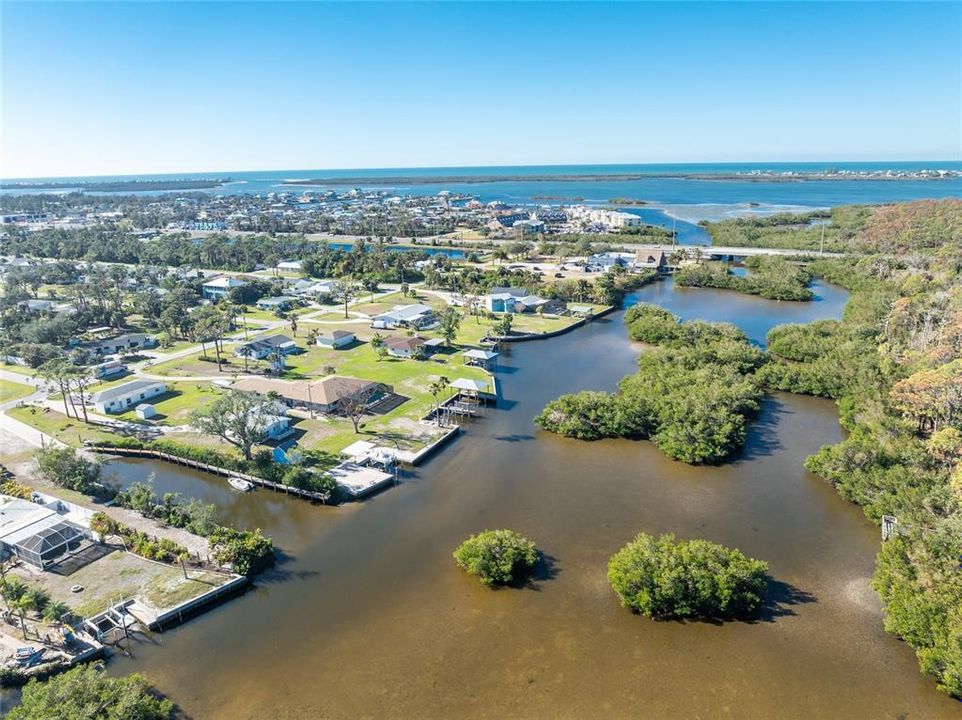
(213, 469)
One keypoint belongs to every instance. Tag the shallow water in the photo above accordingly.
(755, 315)
(368, 616)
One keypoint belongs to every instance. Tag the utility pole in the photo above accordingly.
(821, 246)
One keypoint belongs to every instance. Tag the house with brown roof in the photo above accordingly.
(651, 259)
(320, 395)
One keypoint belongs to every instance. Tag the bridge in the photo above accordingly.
(721, 252)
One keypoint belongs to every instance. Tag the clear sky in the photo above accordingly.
(91, 88)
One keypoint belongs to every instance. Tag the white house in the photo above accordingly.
(417, 316)
(276, 303)
(513, 300)
(127, 342)
(336, 340)
(405, 347)
(290, 265)
(119, 398)
(275, 423)
(219, 287)
(265, 347)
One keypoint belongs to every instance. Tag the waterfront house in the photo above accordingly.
(119, 398)
(220, 287)
(405, 347)
(602, 262)
(273, 421)
(651, 259)
(336, 339)
(416, 316)
(265, 347)
(36, 534)
(278, 303)
(515, 300)
(319, 395)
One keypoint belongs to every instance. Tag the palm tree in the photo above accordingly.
(56, 611)
(183, 556)
(23, 605)
(437, 387)
(12, 589)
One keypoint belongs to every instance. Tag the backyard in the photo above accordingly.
(121, 575)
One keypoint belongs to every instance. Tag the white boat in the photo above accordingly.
(239, 483)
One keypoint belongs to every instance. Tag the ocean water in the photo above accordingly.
(671, 200)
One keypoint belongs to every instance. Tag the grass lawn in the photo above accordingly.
(10, 390)
(124, 575)
(67, 430)
(176, 346)
(258, 314)
(21, 369)
(410, 378)
(175, 406)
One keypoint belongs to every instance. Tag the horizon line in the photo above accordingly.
(212, 173)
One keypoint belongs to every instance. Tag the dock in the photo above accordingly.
(214, 469)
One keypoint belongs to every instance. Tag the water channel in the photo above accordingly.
(366, 614)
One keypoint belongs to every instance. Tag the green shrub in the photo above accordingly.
(497, 557)
(84, 693)
(246, 551)
(664, 578)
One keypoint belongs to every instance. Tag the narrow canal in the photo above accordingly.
(366, 614)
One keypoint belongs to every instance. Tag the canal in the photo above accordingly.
(366, 614)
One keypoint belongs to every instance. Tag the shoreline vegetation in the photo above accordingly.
(692, 395)
(893, 363)
(118, 185)
(893, 228)
(753, 176)
(773, 278)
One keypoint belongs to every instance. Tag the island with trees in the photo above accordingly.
(773, 278)
(692, 395)
(662, 577)
(497, 557)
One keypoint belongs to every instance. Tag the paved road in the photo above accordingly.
(21, 430)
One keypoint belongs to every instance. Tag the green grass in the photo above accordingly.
(176, 346)
(410, 378)
(21, 369)
(176, 405)
(58, 425)
(10, 390)
(169, 588)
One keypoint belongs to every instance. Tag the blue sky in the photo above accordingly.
(90, 88)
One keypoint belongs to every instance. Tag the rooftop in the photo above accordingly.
(125, 389)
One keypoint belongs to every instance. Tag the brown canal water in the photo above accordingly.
(367, 616)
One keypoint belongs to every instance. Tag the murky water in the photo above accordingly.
(755, 315)
(368, 616)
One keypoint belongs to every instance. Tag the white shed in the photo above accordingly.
(145, 411)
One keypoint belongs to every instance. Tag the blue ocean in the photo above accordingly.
(670, 198)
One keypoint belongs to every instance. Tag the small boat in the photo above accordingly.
(239, 483)
(27, 656)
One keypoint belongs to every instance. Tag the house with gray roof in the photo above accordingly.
(122, 397)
